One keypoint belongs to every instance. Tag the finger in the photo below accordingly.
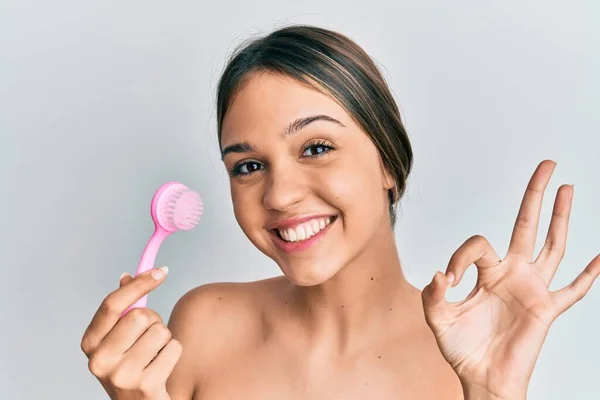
(163, 365)
(125, 279)
(435, 306)
(127, 331)
(475, 250)
(569, 295)
(522, 241)
(553, 251)
(109, 312)
(110, 352)
(147, 347)
(86, 346)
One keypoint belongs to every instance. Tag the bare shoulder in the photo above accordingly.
(214, 322)
(222, 304)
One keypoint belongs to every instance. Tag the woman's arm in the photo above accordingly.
(182, 381)
(212, 322)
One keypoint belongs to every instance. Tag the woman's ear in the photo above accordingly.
(389, 182)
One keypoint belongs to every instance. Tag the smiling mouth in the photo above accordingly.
(304, 231)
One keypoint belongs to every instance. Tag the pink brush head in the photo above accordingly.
(176, 207)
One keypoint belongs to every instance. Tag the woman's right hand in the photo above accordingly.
(132, 356)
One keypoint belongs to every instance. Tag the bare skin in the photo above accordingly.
(342, 322)
(259, 341)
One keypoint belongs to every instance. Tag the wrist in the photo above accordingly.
(478, 392)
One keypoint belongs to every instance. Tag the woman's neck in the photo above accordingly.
(362, 299)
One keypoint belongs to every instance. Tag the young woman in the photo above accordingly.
(318, 159)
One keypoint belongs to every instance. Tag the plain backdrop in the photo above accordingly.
(103, 101)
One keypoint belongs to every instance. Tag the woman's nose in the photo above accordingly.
(284, 188)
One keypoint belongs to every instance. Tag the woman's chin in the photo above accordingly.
(308, 275)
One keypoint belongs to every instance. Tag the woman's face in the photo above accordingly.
(310, 195)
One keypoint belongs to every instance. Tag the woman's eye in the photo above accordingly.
(246, 168)
(316, 150)
(249, 167)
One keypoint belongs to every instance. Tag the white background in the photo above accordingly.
(103, 101)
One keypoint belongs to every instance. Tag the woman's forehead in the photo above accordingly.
(269, 102)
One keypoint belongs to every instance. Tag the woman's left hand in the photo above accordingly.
(492, 339)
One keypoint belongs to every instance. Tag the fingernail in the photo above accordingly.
(159, 273)
(450, 277)
(435, 280)
(124, 274)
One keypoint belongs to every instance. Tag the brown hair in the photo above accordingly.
(335, 65)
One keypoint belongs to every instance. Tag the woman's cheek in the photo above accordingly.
(350, 184)
(245, 207)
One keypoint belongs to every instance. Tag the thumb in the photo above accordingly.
(434, 298)
(125, 279)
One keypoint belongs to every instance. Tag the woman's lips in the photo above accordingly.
(300, 245)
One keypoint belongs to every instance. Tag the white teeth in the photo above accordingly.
(309, 230)
(305, 230)
(293, 235)
(301, 233)
(314, 226)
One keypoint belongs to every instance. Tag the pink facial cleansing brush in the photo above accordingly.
(174, 207)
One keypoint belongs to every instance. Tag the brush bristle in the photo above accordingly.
(182, 209)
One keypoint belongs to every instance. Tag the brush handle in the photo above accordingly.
(147, 261)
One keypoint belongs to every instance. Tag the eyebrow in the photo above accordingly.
(291, 129)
